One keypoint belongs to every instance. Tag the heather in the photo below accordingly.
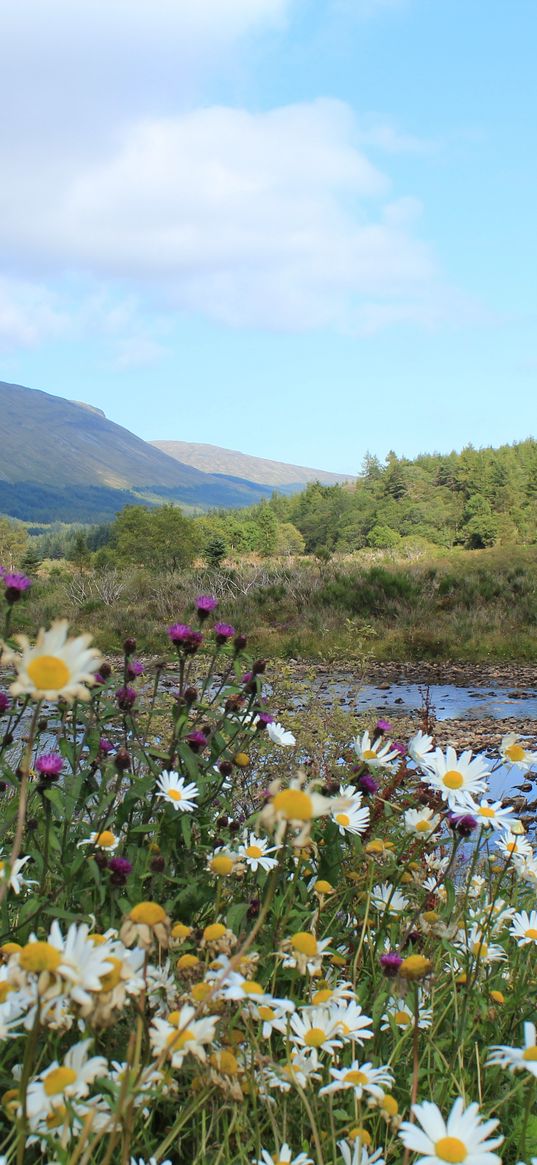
(235, 934)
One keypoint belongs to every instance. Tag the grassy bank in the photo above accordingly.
(467, 605)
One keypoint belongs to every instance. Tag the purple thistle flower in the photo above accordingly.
(223, 632)
(204, 605)
(390, 963)
(126, 697)
(120, 868)
(4, 702)
(264, 718)
(367, 784)
(463, 823)
(134, 669)
(185, 638)
(399, 747)
(50, 765)
(105, 746)
(99, 679)
(381, 727)
(15, 585)
(196, 740)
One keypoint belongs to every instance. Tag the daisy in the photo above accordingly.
(359, 1154)
(297, 805)
(462, 1138)
(491, 814)
(172, 788)
(351, 1022)
(15, 880)
(524, 927)
(455, 777)
(421, 821)
(362, 1078)
(84, 965)
(282, 1157)
(150, 1161)
(273, 1016)
(299, 1071)
(304, 951)
(515, 845)
(353, 819)
(419, 747)
(332, 994)
(376, 753)
(385, 897)
(255, 852)
(105, 840)
(60, 1082)
(515, 753)
(315, 1028)
(56, 667)
(483, 951)
(183, 1037)
(401, 1013)
(279, 735)
(517, 1059)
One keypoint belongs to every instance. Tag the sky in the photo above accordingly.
(304, 229)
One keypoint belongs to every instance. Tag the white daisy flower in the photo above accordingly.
(299, 1071)
(377, 753)
(517, 1059)
(304, 951)
(255, 852)
(419, 747)
(352, 819)
(332, 994)
(387, 898)
(421, 821)
(273, 1015)
(478, 945)
(524, 927)
(172, 788)
(358, 1154)
(105, 840)
(83, 964)
(455, 777)
(400, 1012)
(60, 1082)
(351, 1022)
(56, 667)
(361, 1078)
(464, 1137)
(515, 845)
(282, 1156)
(279, 735)
(186, 1036)
(315, 1028)
(515, 753)
(16, 880)
(492, 814)
(150, 1161)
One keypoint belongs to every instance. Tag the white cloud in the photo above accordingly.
(29, 314)
(275, 219)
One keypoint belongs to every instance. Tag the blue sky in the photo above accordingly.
(300, 228)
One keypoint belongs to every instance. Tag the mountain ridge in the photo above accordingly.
(216, 459)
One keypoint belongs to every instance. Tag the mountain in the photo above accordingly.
(65, 461)
(278, 474)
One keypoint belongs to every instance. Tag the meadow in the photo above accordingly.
(228, 940)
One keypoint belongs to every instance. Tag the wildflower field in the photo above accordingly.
(218, 946)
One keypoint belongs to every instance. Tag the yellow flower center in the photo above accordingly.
(390, 1105)
(451, 1149)
(149, 913)
(304, 943)
(531, 932)
(5, 988)
(423, 826)
(530, 1053)
(48, 673)
(415, 967)
(251, 987)
(294, 804)
(241, 759)
(360, 1134)
(355, 1077)
(56, 1117)
(200, 991)
(402, 1018)
(39, 957)
(515, 752)
(322, 996)
(430, 916)
(342, 818)
(106, 839)
(480, 950)
(453, 780)
(177, 1040)
(58, 1080)
(112, 977)
(323, 887)
(221, 864)
(486, 811)
(226, 1062)
(213, 932)
(180, 930)
(369, 754)
(10, 949)
(254, 851)
(314, 1037)
(497, 996)
(174, 795)
(187, 961)
(266, 1012)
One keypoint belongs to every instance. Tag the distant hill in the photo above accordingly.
(215, 460)
(64, 460)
